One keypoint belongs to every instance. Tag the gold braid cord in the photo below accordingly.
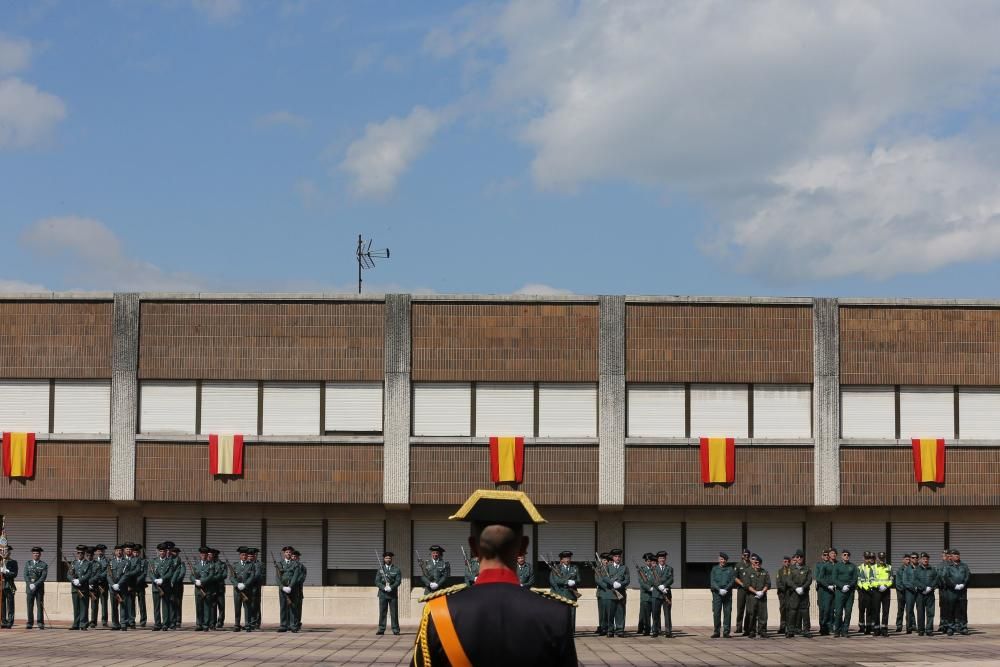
(421, 647)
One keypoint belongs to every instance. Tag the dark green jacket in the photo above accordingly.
(798, 576)
(620, 574)
(722, 577)
(471, 572)
(644, 577)
(559, 581)
(757, 580)
(526, 575)
(845, 574)
(924, 577)
(662, 577)
(823, 572)
(36, 572)
(388, 576)
(437, 572)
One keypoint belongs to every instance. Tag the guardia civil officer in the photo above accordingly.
(797, 581)
(781, 586)
(663, 581)
(722, 580)
(291, 577)
(619, 577)
(564, 579)
(78, 574)
(758, 583)
(823, 574)
(741, 592)
(958, 581)
(604, 594)
(925, 582)
(243, 577)
(161, 569)
(36, 571)
(645, 576)
(9, 571)
(525, 573)
(845, 582)
(900, 583)
(100, 591)
(496, 621)
(387, 579)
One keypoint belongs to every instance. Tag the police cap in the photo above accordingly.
(661, 554)
(723, 555)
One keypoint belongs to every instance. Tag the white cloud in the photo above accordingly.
(20, 286)
(218, 10)
(736, 103)
(95, 258)
(15, 54)
(541, 289)
(281, 118)
(378, 159)
(27, 114)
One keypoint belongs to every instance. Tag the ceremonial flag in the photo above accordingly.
(507, 459)
(718, 460)
(225, 454)
(928, 460)
(19, 454)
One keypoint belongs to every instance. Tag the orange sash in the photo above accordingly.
(446, 632)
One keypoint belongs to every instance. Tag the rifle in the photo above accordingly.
(72, 570)
(423, 566)
(190, 566)
(468, 563)
(548, 560)
(152, 576)
(232, 573)
(381, 570)
(280, 572)
(601, 570)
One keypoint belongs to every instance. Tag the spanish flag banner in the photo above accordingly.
(19, 454)
(928, 460)
(507, 459)
(718, 460)
(225, 454)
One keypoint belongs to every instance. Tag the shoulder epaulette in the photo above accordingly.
(554, 596)
(444, 591)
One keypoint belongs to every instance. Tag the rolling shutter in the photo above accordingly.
(859, 538)
(505, 409)
(90, 531)
(442, 409)
(354, 544)
(706, 539)
(354, 406)
(291, 408)
(720, 411)
(919, 536)
(24, 406)
(82, 406)
(452, 535)
(229, 407)
(656, 411)
(184, 532)
(926, 412)
(305, 535)
(771, 541)
(868, 412)
(979, 544)
(782, 411)
(575, 536)
(567, 410)
(228, 534)
(167, 407)
(978, 413)
(24, 532)
(641, 537)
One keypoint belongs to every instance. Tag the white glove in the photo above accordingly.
(241, 586)
(158, 582)
(475, 579)
(4, 570)
(927, 590)
(287, 589)
(882, 589)
(723, 591)
(846, 588)
(197, 582)
(571, 583)
(830, 587)
(76, 582)
(663, 588)
(617, 585)
(434, 585)
(31, 586)
(114, 586)
(759, 594)
(388, 588)
(799, 590)
(959, 587)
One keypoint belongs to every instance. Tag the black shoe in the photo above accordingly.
(104, 624)
(668, 635)
(950, 632)
(725, 635)
(920, 633)
(807, 635)
(248, 629)
(930, 633)
(715, 635)
(964, 631)
(236, 628)
(141, 625)
(395, 632)
(380, 632)
(653, 634)
(295, 630)
(739, 629)
(41, 627)
(282, 629)
(909, 631)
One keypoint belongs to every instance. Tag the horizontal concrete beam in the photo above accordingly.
(445, 441)
(695, 442)
(268, 439)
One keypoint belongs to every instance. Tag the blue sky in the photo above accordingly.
(642, 148)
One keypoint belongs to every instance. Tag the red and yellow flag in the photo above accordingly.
(19, 454)
(718, 460)
(507, 459)
(225, 454)
(928, 460)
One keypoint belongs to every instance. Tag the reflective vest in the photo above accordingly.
(864, 576)
(881, 575)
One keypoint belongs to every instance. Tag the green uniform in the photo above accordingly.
(925, 580)
(722, 580)
(387, 579)
(200, 573)
(243, 577)
(162, 611)
(290, 579)
(526, 575)
(35, 574)
(797, 581)
(845, 581)
(437, 572)
(954, 591)
(617, 574)
(119, 576)
(140, 570)
(757, 582)
(78, 574)
(9, 588)
(220, 594)
(663, 581)
(824, 595)
(261, 577)
(100, 592)
(559, 583)
(781, 586)
(901, 583)
(645, 581)
(177, 589)
(741, 594)
(471, 572)
(604, 594)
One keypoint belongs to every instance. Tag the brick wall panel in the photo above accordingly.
(55, 339)
(261, 341)
(272, 474)
(513, 342)
(944, 346)
(765, 476)
(718, 343)
(63, 471)
(563, 475)
(883, 476)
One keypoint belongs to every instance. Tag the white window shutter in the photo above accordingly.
(656, 411)
(868, 412)
(979, 413)
(442, 408)
(782, 411)
(167, 407)
(505, 409)
(720, 411)
(926, 412)
(82, 406)
(567, 410)
(291, 408)
(354, 407)
(229, 407)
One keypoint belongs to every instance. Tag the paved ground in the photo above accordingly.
(356, 645)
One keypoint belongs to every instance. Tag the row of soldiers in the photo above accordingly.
(120, 583)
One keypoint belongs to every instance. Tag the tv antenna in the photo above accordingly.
(367, 257)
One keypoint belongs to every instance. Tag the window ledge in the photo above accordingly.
(182, 439)
(72, 437)
(694, 442)
(907, 442)
(459, 440)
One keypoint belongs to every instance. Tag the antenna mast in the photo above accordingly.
(367, 257)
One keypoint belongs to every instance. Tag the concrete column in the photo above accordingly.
(610, 533)
(396, 428)
(611, 404)
(124, 395)
(826, 402)
(818, 531)
(398, 540)
(130, 526)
